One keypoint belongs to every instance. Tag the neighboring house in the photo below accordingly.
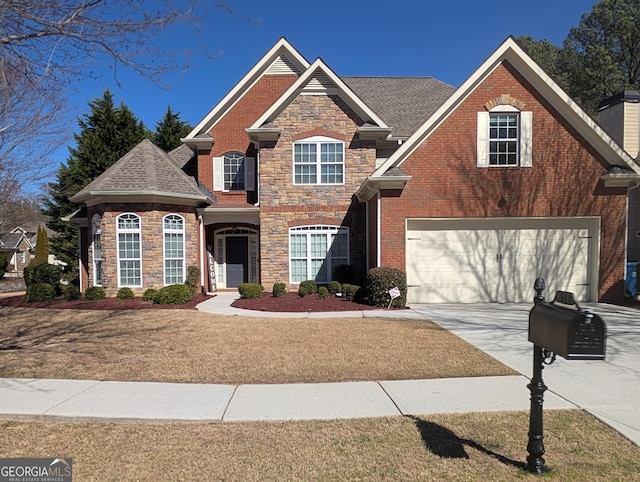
(18, 245)
(473, 192)
(619, 115)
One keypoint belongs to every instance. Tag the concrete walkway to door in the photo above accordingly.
(610, 389)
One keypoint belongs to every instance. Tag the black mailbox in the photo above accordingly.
(574, 334)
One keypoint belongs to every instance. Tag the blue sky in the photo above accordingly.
(447, 40)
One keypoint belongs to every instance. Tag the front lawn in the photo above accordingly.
(190, 346)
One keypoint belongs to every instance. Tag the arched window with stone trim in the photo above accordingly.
(96, 246)
(129, 232)
(173, 228)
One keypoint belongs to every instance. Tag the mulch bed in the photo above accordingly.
(293, 303)
(106, 304)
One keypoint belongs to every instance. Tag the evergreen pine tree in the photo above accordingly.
(170, 130)
(42, 248)
(106, 134)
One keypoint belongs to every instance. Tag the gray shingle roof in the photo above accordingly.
(145, 169)
(10, 240)
(404, 103)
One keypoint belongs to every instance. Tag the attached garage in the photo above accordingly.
(498, 260)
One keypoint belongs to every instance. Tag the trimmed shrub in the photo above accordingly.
(323, 292)
(95, 293)
(193, 279)
(380, 281)
(173, 295)
(279, 289)
(335, 287)
(40, 292)
(343, 274)
(125, 294)
(71, 292)
(250, 290)
(350, 292)
(150, 295)
(43, 273)
(307, 287)
(4, 262)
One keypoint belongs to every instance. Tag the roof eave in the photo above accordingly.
(91, 198)
(263, 134)
(374, 133)
(198, 143)
(374, 184)
(621, 180)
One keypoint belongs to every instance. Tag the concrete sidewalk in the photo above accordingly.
(89, 400)
(609, 389)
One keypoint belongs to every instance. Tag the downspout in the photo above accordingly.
(202, 253)
(80, 260)
(379, 229)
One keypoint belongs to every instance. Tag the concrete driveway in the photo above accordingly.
(610, 389)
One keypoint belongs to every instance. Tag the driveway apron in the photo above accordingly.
(609, 389)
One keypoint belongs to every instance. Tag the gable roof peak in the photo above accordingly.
(282, 58)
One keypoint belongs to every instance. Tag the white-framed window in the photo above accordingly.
(233, 168)
(173, 249)
(22, 259)
(315, 251)
(96, 245)
(504, 137)
(318, 160)
(129, 250)
(233, 172)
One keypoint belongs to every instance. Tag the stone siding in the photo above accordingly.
(151, 223)
(284, 205)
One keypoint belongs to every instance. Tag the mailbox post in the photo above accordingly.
(535, 446)
(574, 334)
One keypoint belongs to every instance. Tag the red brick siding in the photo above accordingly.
(564, 179)
(229, 133)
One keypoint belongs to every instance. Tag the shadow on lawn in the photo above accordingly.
(78, 334)
(444, 443)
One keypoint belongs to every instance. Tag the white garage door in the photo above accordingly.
(498, 260)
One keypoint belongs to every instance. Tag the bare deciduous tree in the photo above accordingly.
(48, 45)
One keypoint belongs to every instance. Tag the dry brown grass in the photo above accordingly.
(470, 447)
(194, 347)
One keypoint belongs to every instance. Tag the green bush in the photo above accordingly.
(335, 287)
(125, 294)
(40, 292)
(343, 274)
(307, 287)
(279, 289)
(4, 262)
(71, 292)
(193, 279)
(350, 292)
(95, 293)
(323, 292)
(43, 273)
(174, 295)
(150, 295)
(380, 281)
(250, 290)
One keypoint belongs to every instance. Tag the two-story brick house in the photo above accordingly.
(474, 192)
